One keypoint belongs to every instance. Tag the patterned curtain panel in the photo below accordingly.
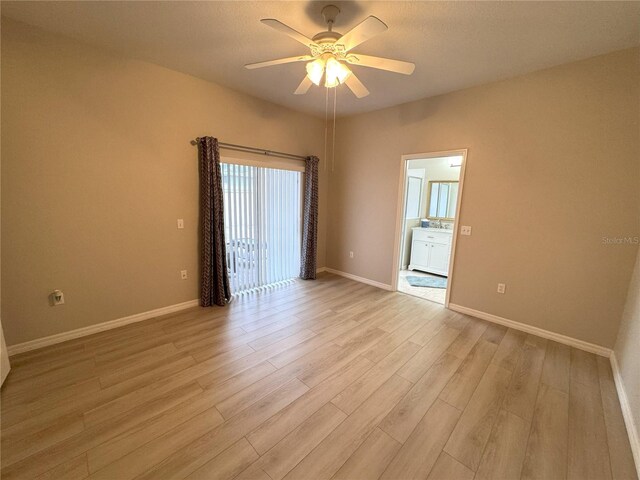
(310, 220)
(214, 278)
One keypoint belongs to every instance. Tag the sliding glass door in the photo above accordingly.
(262, 217)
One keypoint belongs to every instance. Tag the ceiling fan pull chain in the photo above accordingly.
(333, 149)
(326, 126)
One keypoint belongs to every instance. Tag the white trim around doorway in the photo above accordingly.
(401, 207)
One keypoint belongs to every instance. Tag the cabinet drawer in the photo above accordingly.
(433, 237)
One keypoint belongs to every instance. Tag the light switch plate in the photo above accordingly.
(183, 274)
(180, 223)
(501, 287)
(465, 230)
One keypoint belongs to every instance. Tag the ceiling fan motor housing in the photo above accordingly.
(326, 37)
(330, 12)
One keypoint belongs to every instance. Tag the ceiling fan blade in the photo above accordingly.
(287, 30)
(304, 86)
(369, 27)
(279, 61)
(387, 64)
(356, 86)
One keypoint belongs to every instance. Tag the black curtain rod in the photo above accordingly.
(261, 151)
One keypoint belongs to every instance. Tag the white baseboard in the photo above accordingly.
(627, 413)
(572, 342)
(350, 276)
(99, 327)
(321, 269)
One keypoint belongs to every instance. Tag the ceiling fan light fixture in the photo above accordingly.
(336, 73)
(315, 70)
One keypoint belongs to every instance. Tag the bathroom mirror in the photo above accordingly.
(442, 199)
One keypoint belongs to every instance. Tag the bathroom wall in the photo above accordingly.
(435, 169)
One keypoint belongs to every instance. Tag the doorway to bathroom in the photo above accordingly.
(428, 211)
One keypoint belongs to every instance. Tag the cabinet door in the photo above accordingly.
(420, 253)
(439, 258)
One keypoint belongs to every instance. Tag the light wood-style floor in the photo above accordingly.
(314, 380)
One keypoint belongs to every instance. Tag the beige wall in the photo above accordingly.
(553, 166)
(5, 365)
(96, 168)
(627, 349)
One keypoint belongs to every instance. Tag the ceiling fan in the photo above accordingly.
(330, 54)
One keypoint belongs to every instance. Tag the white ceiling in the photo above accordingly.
(453, 44)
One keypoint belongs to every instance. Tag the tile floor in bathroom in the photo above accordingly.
(433, 294)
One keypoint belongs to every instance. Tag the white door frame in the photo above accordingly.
(400, 212)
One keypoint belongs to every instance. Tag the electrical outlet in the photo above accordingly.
(465, 230)
(501, 287)
(183, 274)
(180, 223)
(350, 254)
(57, 298)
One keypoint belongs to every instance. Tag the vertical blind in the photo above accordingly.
(262, 217)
